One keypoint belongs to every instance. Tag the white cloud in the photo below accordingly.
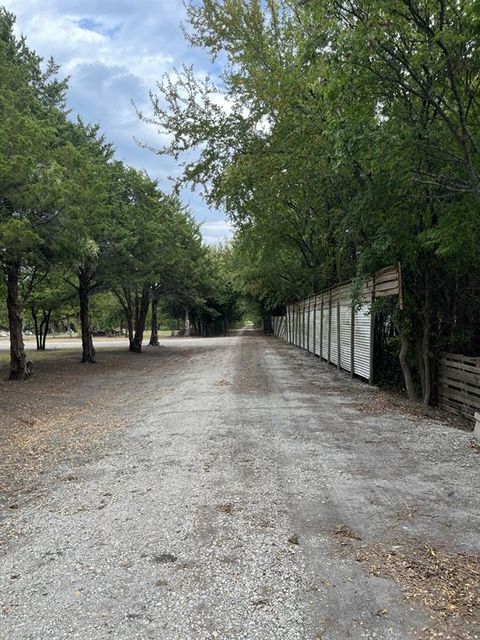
(114, 52)
(217, 231)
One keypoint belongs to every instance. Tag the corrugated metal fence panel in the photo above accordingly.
(326, 308)
(313, 324)
(346, 337)
(305, 328)
(311, 328)
(318, 325)
(279, 326)
(302, 326)
(297, 327)
(333, 335)
(362, 341)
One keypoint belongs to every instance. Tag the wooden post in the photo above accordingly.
(372, 331)
(339, 351)
(352, 342)
(400, 286)
(314, 324)
(329, 326)
(321, 328)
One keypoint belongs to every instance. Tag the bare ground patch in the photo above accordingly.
(378, 402)
(63, 414)
(374, 401)
(445, 583)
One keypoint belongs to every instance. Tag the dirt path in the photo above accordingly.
(238, 491)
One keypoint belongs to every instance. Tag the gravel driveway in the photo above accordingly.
(250, 494)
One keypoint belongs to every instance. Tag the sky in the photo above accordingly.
(114, 52)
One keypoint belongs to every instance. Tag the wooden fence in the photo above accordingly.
(459, 384)
(335, 327)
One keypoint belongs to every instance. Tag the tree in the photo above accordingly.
(49, 294)
(31, 103)
(90, 216)
(343, 137)
(149, 248)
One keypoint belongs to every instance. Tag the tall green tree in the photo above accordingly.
(89, 218)
(32, 107)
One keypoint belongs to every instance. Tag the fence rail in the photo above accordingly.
(459, 384)
(333, 326)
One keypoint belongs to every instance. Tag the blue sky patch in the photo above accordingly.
(115, 52)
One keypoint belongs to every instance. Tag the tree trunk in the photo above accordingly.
(130, 331)
(20, 367)
(88, 350)
(407, 373)
(154, 334)
(187, 324)
(141, 319)
(37, 328)
(419, 358)
(44, 329)
(41, 330)
(427, 372)
(195, 326)
(125, 301)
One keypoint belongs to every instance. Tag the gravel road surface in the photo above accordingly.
(247, 496)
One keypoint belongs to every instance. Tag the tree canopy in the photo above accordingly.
(75, 222)
(341, 137)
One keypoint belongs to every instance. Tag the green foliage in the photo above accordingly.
(342, 137)
(75, 223)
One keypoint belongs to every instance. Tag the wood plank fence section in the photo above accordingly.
(337, 328)
(459, 384)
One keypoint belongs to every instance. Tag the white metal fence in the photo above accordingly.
(331, 325)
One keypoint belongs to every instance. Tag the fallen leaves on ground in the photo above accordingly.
(378, 402)
(63, 414)
(345, 532)
(446, 583)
